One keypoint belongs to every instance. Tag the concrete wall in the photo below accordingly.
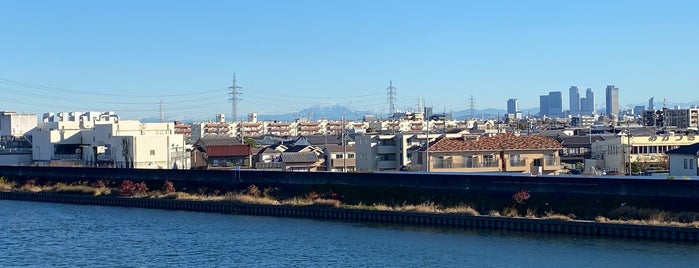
(466, 183)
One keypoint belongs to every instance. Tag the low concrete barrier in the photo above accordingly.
(587, 228)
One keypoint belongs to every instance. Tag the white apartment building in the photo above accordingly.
(102, 138)
(13, 124)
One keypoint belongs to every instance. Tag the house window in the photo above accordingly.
(516, 161)
(339, 156)
(549, 159)
(350, 156)
(467, 161)
(489, 161)
(442, 162)
(685, 164)
(152, 152)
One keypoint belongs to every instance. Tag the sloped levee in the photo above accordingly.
(587, 228)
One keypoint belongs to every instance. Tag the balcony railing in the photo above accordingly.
(516, 163)
(486, 164)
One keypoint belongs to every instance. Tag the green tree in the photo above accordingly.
(250, 141)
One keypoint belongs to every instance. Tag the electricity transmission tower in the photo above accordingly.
(391, 98)
(234, 98)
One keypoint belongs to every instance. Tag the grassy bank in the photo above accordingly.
(518, 205)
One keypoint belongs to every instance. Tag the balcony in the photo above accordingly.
(386, 149)
(520, 163)
(270, 165)
(343, 162)
(386, 164)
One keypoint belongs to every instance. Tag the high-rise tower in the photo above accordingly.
(612, 101)
(574, 95)
(512, 106)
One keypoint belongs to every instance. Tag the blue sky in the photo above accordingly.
(126, 56)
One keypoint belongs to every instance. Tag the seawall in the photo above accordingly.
(680, 189)
(588, 228)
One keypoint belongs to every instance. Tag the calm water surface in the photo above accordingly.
(60, 235)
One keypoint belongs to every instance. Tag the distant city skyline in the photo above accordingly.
(131, 56)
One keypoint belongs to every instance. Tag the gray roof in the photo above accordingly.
(338, 148)
(206, 141)
(307, 157)
(692, 149)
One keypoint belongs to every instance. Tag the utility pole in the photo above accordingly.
(391, 92)
(427, 147)
(234, 98)
(344, 147)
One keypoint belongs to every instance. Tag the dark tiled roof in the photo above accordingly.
(692, 149)
(338, 148)
(227, 150)
(506, 141)
(578, 141)
(308, 157)
(323, 139)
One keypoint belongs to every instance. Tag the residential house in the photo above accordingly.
(684, 160)
(225, 156)
(339, 158)
(498, 153)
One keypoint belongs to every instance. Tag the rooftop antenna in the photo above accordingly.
(234, 98)
(391, 97)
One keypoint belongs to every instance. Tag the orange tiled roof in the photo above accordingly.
(506, 141)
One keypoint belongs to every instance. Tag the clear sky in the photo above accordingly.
(127, 56)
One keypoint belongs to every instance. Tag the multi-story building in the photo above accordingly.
(555, 104)
(512, 106)
(641, 152)
(612, 105)
(91, 138)
(388, 152)
(13, 124)
(682, 118)
(184, 129)
(282, 129)
(340, 158)
(551, 105)
(574, 97)
(544, 105)
(15, 149)
(587, 104)
(504, 152)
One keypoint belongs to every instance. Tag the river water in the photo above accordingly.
(60, 235)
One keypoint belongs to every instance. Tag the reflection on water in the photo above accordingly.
(47, 234)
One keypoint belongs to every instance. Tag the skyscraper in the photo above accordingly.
(512, 106)
(612, 101)
(590, 100)
(555, 103)
(651, 104)
(544, 105)
(574, 93)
